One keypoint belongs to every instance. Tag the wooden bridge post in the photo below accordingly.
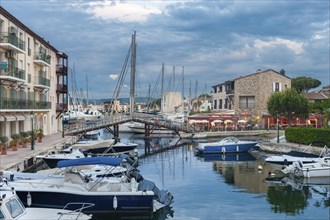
(147, 147)
(116, 133)
(147, 131)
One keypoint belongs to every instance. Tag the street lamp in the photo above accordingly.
(32, 132)
(62, 124)
(278, 129)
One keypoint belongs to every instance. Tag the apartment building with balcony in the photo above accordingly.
(249, 94)
(33, 80)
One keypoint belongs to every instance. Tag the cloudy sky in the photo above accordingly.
(210, 41)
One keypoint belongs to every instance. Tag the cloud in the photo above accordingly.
(121, 11)
(113, 76)
(214, 40)
(295, 46)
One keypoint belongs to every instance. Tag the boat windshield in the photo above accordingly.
(230, 139)
(14, 208)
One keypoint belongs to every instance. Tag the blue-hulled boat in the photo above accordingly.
(226, 145)
(130, 195)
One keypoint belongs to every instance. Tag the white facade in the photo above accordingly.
(31, 74)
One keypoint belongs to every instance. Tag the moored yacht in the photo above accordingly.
(126, 195)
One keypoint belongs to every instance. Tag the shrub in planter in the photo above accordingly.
(3, 143)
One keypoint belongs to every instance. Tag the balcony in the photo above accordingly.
(23, 104)
(230, 92)
(12, 73)
(11, 42)
(61, 70)
(42, 82)
(61, 107)
(60, 88)
(42, 59)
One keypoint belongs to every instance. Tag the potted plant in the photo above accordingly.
(13, 143)
(40, 134)
(24, 138)
(3, 140)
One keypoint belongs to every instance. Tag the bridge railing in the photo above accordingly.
(108, 120)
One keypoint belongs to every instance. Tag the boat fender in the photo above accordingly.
(285, 162)
(115, 202)
(237, 148)
(223, 150)
(29, 199)
(308, 174)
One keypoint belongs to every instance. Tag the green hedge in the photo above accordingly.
(308, 135)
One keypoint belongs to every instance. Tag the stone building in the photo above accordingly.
(249, 94)
(33, 80)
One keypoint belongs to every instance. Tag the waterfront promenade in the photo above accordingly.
(15, 159)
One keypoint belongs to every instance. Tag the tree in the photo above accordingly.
(304, 84)
(289, 104)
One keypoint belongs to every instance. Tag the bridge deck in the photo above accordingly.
(107, 122)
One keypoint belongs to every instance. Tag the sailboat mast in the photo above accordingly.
(162, 90)
(133, 65)
(87, 91)
(183, 89)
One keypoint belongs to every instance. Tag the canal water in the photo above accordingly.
(226, 187)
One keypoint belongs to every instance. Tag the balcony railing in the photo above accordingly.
(12, 39)
(61, 107)
(43, 57)
(62, 69)
(229, 92)
(62, 88)
(43, 81)
(9, 103)
(14, 71)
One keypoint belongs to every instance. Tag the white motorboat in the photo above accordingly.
(308, 170)
(53, 156)
(92, 144)
(133, 195)
(11, 208)
(292, 156)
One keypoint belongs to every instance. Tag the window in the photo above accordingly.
(277, 87)
(246, 101)
(14, 208)
(220, 103)
(215, 104)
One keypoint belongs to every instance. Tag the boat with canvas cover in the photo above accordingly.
(129, 195)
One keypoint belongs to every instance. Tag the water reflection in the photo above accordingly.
(161, 214)
(237, 177)
(244, 156)
(293, 195)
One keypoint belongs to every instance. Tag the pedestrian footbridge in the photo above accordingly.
(111, 123)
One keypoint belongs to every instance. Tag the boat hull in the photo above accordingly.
(316, 172)
(104, 202)
(230, 148)
(111, 149)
